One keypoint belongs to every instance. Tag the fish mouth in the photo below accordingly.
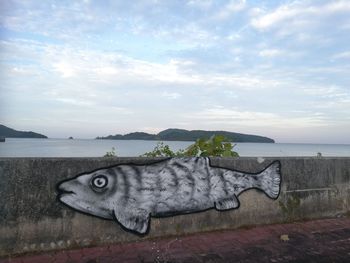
(66, 192)
(64, 186)
(63, 193)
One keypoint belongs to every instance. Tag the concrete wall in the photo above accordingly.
(31, 219)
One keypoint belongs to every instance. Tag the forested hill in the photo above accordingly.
(185, 135)
(11, 133)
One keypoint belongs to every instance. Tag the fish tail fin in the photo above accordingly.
(270, 179)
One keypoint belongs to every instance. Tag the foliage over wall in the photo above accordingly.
(214, 146)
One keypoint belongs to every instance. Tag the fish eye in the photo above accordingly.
(100, 181)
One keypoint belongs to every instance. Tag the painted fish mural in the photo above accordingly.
(131, 193)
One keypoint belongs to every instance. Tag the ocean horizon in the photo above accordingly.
(58, 147)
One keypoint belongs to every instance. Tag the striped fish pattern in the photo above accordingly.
(131, 193)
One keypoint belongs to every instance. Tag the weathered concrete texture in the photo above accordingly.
(31, 219)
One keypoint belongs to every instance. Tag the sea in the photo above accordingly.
(20, 147)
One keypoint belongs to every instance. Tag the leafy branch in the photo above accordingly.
(111, 153)
(214, 146)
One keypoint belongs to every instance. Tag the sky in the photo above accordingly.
(92, 68)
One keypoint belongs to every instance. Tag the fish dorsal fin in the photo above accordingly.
(136, 220)
(227, 203)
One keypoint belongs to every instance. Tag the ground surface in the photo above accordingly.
(325, 240)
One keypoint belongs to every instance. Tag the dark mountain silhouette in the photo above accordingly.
(185, 135)
(11, 133)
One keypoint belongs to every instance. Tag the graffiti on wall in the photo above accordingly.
(131, 193)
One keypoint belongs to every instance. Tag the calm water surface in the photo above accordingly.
(97, 148)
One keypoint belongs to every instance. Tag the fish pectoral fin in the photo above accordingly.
(133, 219)
(227, 203)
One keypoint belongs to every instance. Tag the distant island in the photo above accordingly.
(7, 132)
(185, 135)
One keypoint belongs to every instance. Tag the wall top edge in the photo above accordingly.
(160, 158)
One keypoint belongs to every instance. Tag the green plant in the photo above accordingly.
(290, 207)
(161, 150)
(111, 153)
(214, 146)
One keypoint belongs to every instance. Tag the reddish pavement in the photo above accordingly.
(326, 240)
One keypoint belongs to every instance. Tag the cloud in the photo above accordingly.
(64, 68)
(270, 52)
(275, 17)
(202, 4)
(171, 95)
(327, 91)
(297, 11)
(342, 55)
(120, 64)
(75, 102)
(336, 6)
(73, 64)
(228, 116)
(230, 8)
(106, 71)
